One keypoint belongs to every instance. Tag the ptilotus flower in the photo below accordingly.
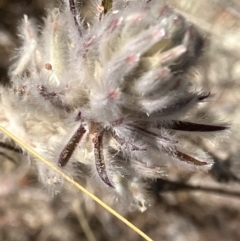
(108, 98)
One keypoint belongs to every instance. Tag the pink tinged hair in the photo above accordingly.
(172, 55)
(126, 144)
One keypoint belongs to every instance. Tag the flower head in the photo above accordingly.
(111, 96)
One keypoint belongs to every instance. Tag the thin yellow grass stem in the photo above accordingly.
(77, 185)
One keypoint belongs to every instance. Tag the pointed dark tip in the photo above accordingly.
(189, 159)
(204, 96)
(195, 127)
(224, 128)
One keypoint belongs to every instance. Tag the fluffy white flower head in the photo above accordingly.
(108, 98)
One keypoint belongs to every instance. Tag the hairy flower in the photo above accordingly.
(109, 98)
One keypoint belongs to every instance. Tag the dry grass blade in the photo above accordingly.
(77, 185)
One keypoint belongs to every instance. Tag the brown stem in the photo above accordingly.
(99, 158)
(71, 146)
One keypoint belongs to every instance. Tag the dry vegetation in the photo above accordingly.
(189, 206)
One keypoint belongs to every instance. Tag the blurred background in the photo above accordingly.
(188, 206)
